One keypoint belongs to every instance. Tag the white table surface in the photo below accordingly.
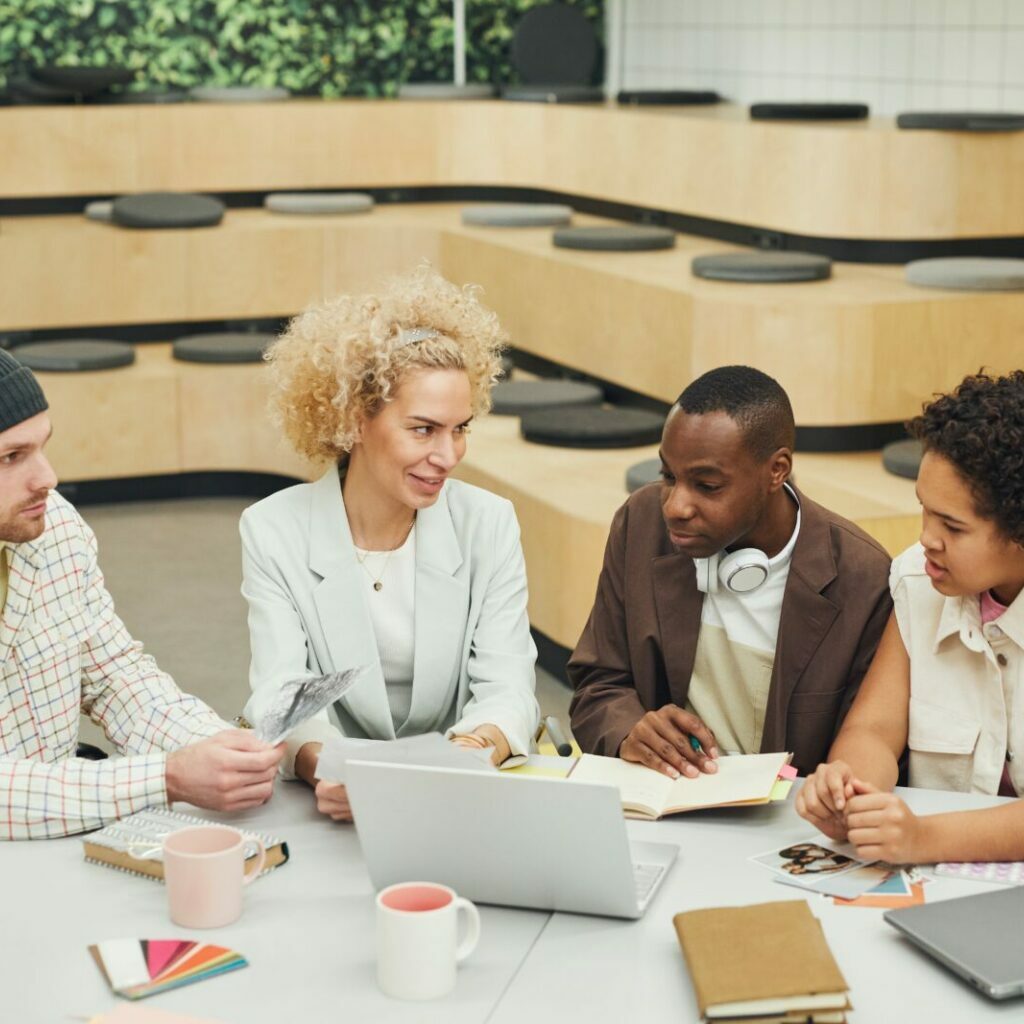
(601, 970)
(308, 933)
(307, 930)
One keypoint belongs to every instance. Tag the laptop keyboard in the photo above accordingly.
(645, 878)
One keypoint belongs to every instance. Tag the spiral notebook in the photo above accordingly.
(109, 846)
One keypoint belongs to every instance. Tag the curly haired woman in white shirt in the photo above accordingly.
(385, 562)
(947, 680)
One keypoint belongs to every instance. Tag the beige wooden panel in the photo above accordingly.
(68, 272)
(360, 254)
(66, 153)
(849, 180)
(894, 533)
(114, 423)
(582, 316)
(226, 424)
(254, 264)
(857, 486)
(376, 143)
(238, 147)
(565, 499)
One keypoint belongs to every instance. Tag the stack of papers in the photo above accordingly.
(136, 968)
(733, 957)
(899, 890)
(816, 864)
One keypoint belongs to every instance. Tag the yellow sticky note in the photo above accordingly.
(548, 750)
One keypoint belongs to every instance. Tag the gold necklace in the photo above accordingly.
(378, 581)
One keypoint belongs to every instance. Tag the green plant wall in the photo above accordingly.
(356, 48)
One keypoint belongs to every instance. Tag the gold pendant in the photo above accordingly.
(378, 585)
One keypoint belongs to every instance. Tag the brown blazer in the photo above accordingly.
(637, 650)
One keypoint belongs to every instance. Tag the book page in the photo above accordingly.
(739, 777)
(638, 786)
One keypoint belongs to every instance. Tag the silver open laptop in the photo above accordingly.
(975, 936)
(517, 841)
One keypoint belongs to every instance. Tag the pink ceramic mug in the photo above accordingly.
(204, 868)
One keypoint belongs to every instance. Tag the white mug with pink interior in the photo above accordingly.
(417, 939)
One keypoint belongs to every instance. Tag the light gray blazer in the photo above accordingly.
(308, 613)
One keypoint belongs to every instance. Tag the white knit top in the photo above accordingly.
(393, 615)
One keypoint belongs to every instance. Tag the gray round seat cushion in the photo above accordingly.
(100, 210)
(667, 97)
(556, 93)
(22, 89)
(166, 95)
(762, 267)
(517, 215)
(643, 473)
(961, 121)
(225, 347)
(615, 238)
(902, 458)
(804, 111)
(516, 397)
(82, 79)
(968, 273)
(74, 355)
(318, 202)
(592, 426)
(445, 91)
(238, 93)
(167, 210)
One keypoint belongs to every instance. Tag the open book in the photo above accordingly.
(740, 779)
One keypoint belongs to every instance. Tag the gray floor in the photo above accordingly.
(174, 570)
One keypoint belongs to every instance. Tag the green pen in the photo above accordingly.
(695, 744)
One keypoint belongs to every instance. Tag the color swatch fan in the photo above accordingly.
(136, 968)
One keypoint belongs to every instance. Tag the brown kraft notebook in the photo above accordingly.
(733, 954)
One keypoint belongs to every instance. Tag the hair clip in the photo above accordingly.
(412, 335)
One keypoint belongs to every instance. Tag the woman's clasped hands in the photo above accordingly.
(847, 809)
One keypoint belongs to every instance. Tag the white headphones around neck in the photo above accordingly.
(740, 572)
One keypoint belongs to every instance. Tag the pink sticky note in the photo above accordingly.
(787, 771)
(160, 952)
(129, 1013)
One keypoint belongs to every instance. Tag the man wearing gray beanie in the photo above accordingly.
(64, 652)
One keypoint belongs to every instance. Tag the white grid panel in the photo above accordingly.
(892, 54)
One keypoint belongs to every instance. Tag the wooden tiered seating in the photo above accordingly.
(850, 180)
(861, 348)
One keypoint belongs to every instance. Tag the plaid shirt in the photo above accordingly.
(64, 651)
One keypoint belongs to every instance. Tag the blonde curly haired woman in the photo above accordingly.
(385, 561)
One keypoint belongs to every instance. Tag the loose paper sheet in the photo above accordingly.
(430, 750)
(298, 700)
